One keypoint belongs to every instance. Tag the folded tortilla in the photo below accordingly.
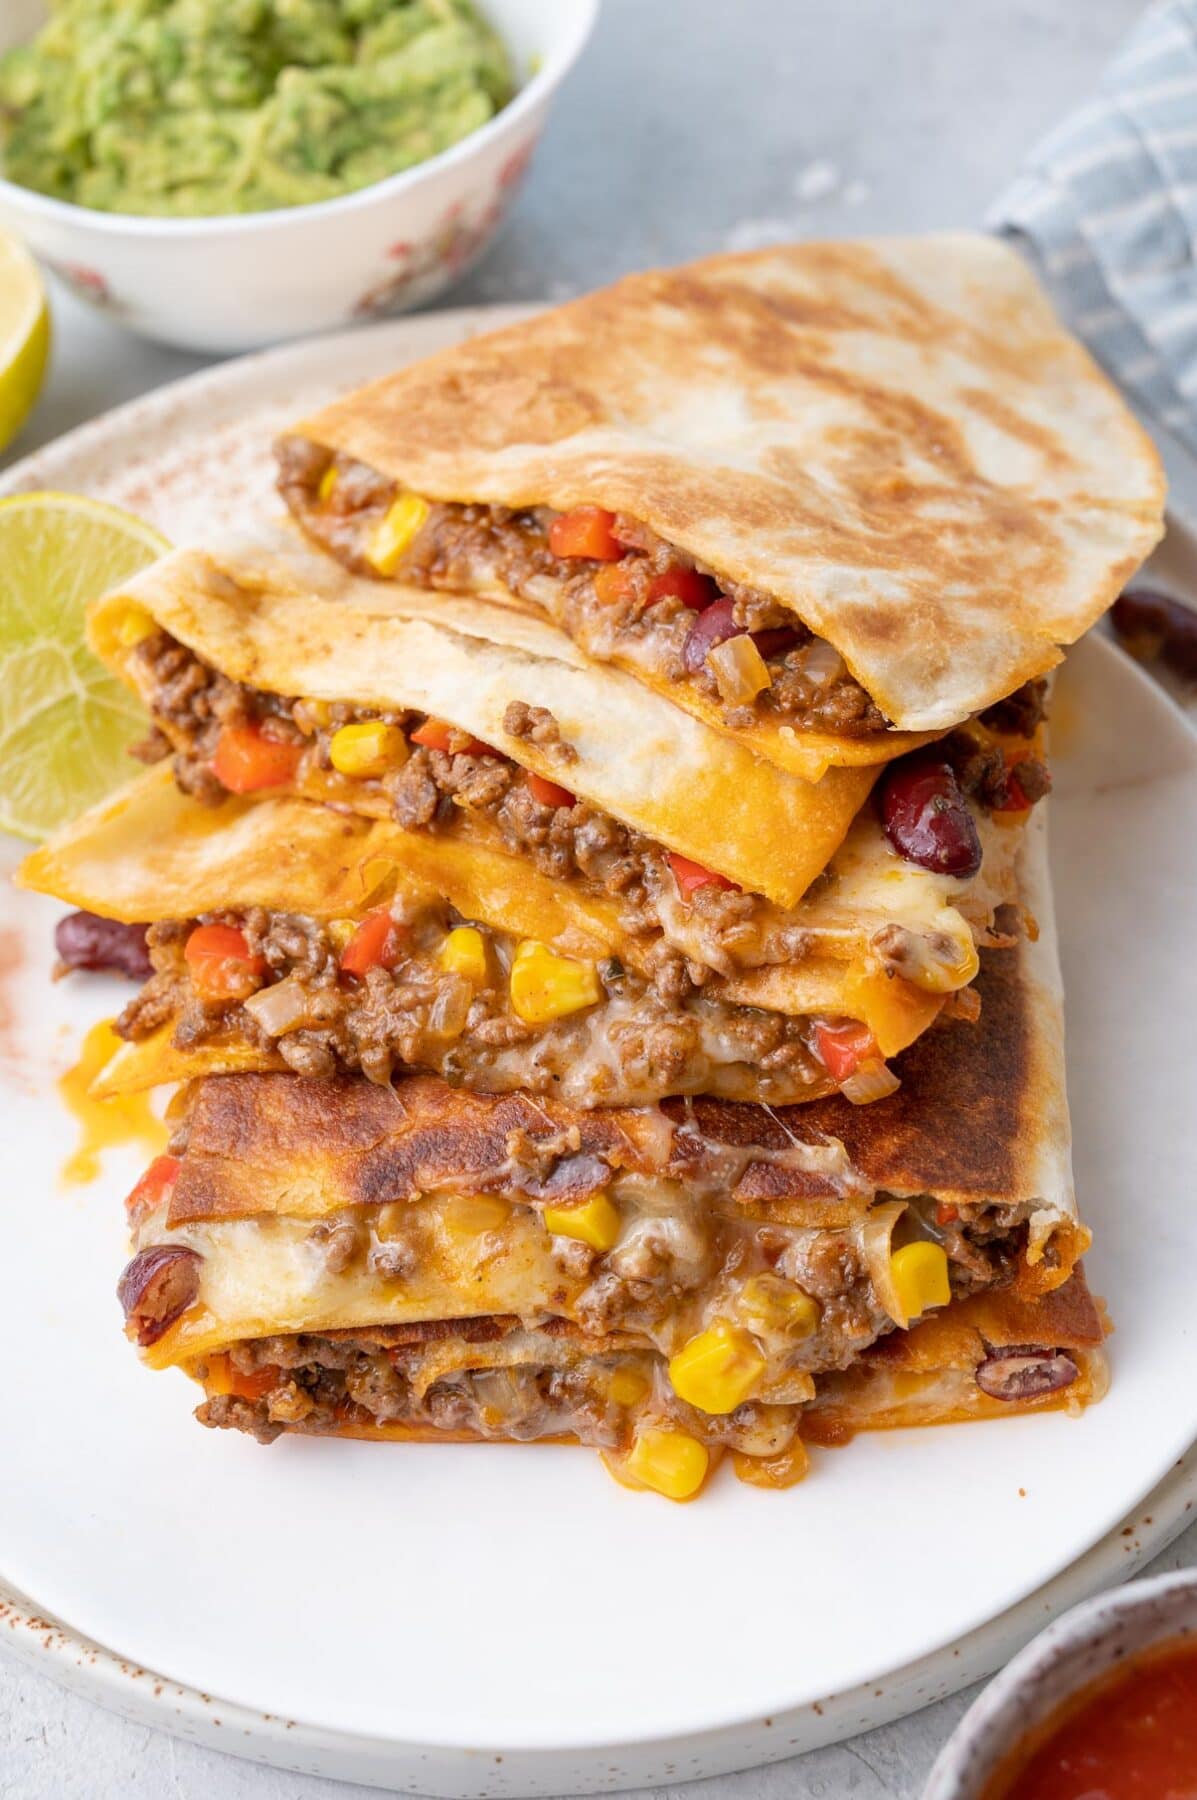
(894, 440)
(418, 1261)
(491, 1382)
(284, 621)
(152, 854)
(317, 1207)
(400, 1264)
(1023, 1349)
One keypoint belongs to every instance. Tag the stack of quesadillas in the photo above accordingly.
(597, 880)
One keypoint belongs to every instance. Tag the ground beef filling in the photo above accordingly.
(668, 1277)
(436, 789)
(314, 1383)
(1000, 780)
(321, 1384)
(640, 1042)
(464, 547)
(192, 704)
(440, 788)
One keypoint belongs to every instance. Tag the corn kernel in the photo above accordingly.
(920, 1276)
(596, 1222)
(717, 1370)
(668, 1462)
(546, 986)
(464, 953)
(135, 625)
(367, 749)
(628, 1387)
(469, 1215)
(396, 532)
(340, 931)
(767, 1303)
(328, 482)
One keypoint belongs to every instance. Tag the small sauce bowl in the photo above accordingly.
(1077, 1650)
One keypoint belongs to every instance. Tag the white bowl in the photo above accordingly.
(237, 282)
(1078, 1648)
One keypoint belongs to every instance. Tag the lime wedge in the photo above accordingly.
(24, 336)
(65, 721)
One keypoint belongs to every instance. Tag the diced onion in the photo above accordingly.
(821, 663)
(739, 669)
(872, 1081)
(280, 1008)
(792, 1388)
(545, 590)
(447, 1015)
(875, 1236)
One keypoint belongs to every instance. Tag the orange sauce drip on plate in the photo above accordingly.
(104, 1123)
(1132, 1735)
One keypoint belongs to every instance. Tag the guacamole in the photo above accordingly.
(198, 107)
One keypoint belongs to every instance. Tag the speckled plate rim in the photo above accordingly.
(98, 1674)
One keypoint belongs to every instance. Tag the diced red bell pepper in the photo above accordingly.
(690, 876)
(613, 582)
(246, 760)
(220, 962)
(1016, 800)
(842, 1045)
(586, 532)
(149, 1193)
(549, 793)
(255, 1386)
(376, 944)
(946, 1213)
(687, 585)
(435, 734)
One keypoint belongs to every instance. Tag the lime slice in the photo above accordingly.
(24, 336)
(65, 721)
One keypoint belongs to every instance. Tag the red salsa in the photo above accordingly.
(1130, 1736)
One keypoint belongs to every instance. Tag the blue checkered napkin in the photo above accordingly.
(1107, 210)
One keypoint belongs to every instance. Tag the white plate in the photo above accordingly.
(441, 1609)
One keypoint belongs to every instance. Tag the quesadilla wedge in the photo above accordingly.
(416, 1261)
(264, 672)
(820, 496)
(287, 934)
(497, 1380)
(250, 657)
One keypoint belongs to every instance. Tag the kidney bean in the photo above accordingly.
(716, 623)
(1024, 1373)
(83, 940)
(157, 1287)
(925, 816)
(776, 641)
(1153, 625)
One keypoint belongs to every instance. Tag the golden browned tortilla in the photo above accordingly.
(894, 438)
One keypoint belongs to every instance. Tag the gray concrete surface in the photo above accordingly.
(691, 126)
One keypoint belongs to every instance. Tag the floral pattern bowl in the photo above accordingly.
(1077, 1649)
(239, 282)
